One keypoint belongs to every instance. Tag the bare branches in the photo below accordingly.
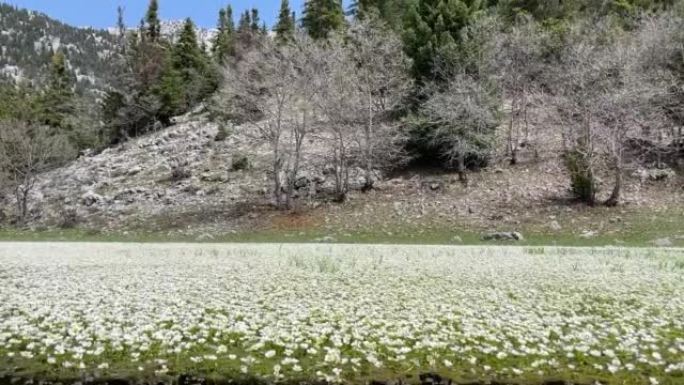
(608, 92)
(25, 152)
(271, 90)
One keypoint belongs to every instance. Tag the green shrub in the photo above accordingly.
(240, 162)
(68, 218)
(582, 180)
(223, 133)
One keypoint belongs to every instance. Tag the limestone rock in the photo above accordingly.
(503, 236)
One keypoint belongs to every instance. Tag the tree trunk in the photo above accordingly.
(277, 186)
(462, 172)
(511, 149)
(368, 151)
(614, 199)
(22, 196)
(341, 172)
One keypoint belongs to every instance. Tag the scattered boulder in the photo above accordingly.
(432, 185)
(555, 226)
(302, 182)
(663, 242)
(588, 234)
(135, 170)
(503, 236)
(214, 177)
(655, 175)
(90, 198)
(205, 237)
(457, 239)
(326, 239)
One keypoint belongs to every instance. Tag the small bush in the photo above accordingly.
(240, 162)
(582, 180)
(223, 133)
(179, 170)
(180, 173)
(68, 218)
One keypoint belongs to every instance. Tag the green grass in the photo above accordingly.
(636, 228)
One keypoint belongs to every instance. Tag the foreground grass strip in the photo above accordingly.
(341, 313)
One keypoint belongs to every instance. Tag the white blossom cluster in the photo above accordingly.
(344, 312)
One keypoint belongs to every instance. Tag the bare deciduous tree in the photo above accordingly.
(363, 80)
(338, 101)
(25, 152)
(604, 97)
(519, 67)
(381, 73)
(271, 90)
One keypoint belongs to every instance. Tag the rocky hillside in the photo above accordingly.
(180, 169)
(28, 40)
(182, 181)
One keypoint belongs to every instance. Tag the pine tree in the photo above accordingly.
(255, 22)
(153, 23)
(191, 65)
(285, 27)
(245, 23)
(222, 21)
(391, 12)
(186, 52)
(169, 91)
(57, 102)
(432, 34)
(121, 30)
(322, 16)
(224, 42)
(230, 23)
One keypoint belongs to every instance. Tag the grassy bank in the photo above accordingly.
(594, 227)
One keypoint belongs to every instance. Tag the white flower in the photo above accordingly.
(270, 354)
(448, 363)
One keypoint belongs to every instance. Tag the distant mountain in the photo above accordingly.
(172, 29)
(28, 40)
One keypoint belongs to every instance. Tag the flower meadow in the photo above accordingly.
(341, 313)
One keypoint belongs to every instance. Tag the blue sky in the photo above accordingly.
(102, 13)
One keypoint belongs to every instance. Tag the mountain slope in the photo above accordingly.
(28, 39)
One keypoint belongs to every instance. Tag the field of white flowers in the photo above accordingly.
(341, 313)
